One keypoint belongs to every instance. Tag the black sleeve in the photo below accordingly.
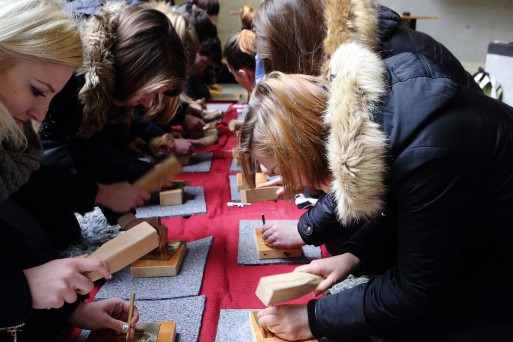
(319, 225)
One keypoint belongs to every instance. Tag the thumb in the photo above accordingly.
(324, 285)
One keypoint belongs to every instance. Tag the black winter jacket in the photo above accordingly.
(445, 219)
(393, 39)
(16, 254)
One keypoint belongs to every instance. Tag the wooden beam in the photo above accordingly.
(150, 265)
(267, 252)
(172, 197)
(166, 170)
(260, 178)
(125, 248)
(283, 287)
(184, 160)
(259, 195)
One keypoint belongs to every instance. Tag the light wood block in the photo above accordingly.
(283, 287)
(150, 265)
(172, 197)
(166, 333)
(184, 160)
(259, 195)
(242, 184)
(125, 248)
(261, 334)
(267, 252)
(168, 169)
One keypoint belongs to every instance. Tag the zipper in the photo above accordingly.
(13, 331)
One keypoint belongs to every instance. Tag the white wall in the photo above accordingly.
(465, 26)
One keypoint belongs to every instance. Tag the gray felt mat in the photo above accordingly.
(233, 325)
(186, 312)
(234, 167)
(186, 283)
(248, 254)
(233, 188)
(199, 162)
(194, 205)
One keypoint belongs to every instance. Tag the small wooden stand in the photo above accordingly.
(125, 248)
(151, 265)
(261, 334)
(165, 332)
(282, 287)
(172, 197)
(267, 252)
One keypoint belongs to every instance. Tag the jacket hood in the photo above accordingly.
(356, 146)
(99, 37)
(351, 20)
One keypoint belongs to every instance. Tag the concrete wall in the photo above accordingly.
(465, 26)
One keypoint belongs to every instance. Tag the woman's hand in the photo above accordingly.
(57, 282)
(121, 197)
(289, 321)
(281, 235)
(110, 313)
(334, 269)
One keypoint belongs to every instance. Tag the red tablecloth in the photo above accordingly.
(225, 284)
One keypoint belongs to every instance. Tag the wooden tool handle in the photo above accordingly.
(282, 287)
(160, 175)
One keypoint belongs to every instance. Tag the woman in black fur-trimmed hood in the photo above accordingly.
(423, 168)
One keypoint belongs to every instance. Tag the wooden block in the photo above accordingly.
(184, 160)
(168, 169)
(259, 195)
(125, 248)
(150, 265)
(242, 184)
(261, 334)
(266, 252)
(172, 197)
(144, 332)
(282, 287)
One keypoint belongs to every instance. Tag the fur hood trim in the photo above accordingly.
(356, 147)
(351, 20)
(98, 69)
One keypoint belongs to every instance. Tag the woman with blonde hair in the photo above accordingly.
(133, 58)
(40, 47)
(417, 174)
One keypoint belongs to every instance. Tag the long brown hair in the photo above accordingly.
(239, 50)
(284, 122)
(290, 34)
(148, 54)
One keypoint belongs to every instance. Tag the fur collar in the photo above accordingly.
(356, 145)
(351, 20)
(98, 69)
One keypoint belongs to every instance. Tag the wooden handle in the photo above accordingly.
(160, 175)
(282, 287)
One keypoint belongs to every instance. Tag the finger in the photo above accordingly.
(266, 184)
(70, 296)
(82, 285)
(324, 285)
(280, 192)
(92, 265)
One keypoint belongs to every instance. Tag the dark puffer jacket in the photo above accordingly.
(428, 181)
(16, 254)
(379, 28)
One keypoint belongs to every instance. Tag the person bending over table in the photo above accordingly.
(40, 47)
(418, 173)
